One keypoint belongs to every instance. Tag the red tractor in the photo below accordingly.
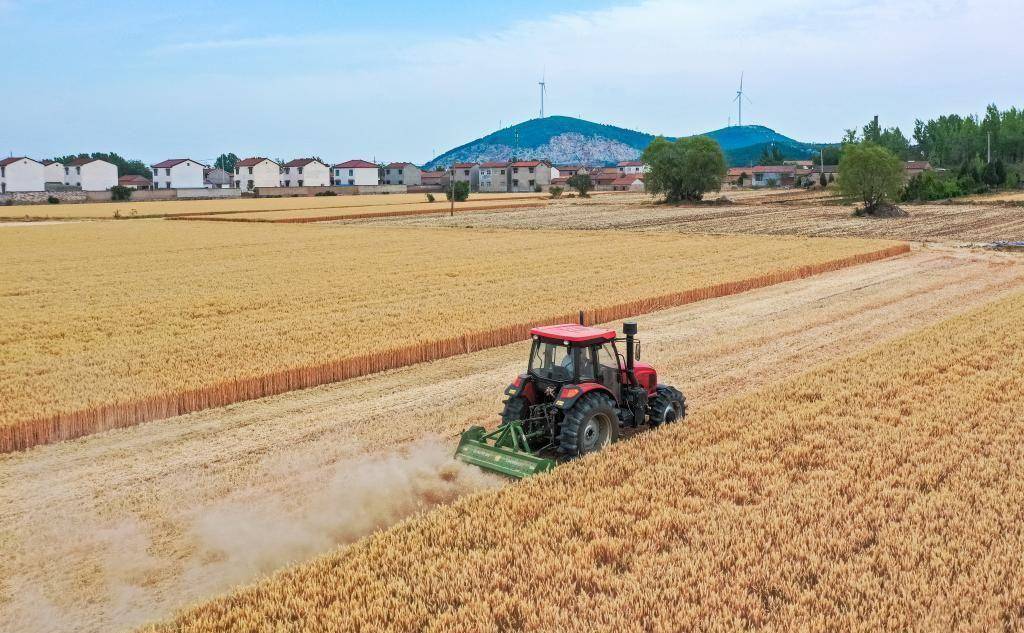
(577, 393)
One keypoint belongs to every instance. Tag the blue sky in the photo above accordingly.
(403, 80)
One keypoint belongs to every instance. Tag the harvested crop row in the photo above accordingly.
(300, 216)
(104, 326)
(883, 492)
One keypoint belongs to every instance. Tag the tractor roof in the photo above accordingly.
(573, 333)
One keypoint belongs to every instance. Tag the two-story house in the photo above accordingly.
(631, 167)
(251, 173)
(90, 174)
(178, 173)
(402, 174)
(356, 173)
(468, 172)
(528, 175)
(305, 172)
(494, 177)
(21, 174)
(54, 171)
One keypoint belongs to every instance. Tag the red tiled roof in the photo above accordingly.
(631, 163)
(47, 163)
(356, 164)
(399, 165)
(251, 162)
(494, 164)
(301, 162)
(82, 161)
(529, 163)
(628, 179)
(133, 179)
(13, 159)
(464, 165)
(433, 174)
(170, 162)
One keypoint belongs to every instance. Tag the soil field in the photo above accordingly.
(299, 216)
(169, 512)
(106, 325)
(880, 492)
(162, 208)
(969, 223)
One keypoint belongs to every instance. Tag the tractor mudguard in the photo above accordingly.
(522, 386)
(569, 394)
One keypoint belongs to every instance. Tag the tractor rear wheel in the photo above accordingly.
(516, 408)
(589, 426)
(666, 407)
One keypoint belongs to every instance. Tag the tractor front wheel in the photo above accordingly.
(589, 426)
(666, 407)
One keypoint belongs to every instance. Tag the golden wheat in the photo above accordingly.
(105, 325)
(883, 492)
(298, 216)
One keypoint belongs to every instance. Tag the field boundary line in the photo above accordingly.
(78, 423)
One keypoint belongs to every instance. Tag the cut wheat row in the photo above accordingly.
(302, 216)
(881, 493)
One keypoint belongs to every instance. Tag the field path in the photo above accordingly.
(108, 531)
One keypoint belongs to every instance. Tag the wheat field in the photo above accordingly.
(441, 206)
(105, 325)
(881, 492)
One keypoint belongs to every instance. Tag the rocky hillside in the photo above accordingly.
(566, 140)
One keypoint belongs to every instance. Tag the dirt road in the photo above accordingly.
(106, 532)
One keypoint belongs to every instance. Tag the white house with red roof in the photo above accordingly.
(528, 175)
(54, 171)
(763, 175)
(468, 172)
(354, 173)
(402, 174)
(305, 172)
(178, 173)
(19, 173)
(90, 174)
(631, 167)
(255, 172)
(494, 177)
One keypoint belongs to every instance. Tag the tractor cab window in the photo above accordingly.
(608, 362)
(551, 362)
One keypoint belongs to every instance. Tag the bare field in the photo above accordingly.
(880, 492)
(356, 212)
(161, 208)
(107, 325)
(755, 215)
(174, 510)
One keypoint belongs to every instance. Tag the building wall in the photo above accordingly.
(494, 179)
(470, 175)
(264, 174)
(24, 175)
(521, 177)
(365, 176)
(187, 175)
(313, 175)
(410, 176)
(54, 172)
(99, 175)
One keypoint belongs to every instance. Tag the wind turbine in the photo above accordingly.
(739, 100)
(543, 89)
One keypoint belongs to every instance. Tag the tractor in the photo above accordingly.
(577, 396)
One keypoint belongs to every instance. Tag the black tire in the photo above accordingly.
(516, 408)
(590, 425)
(668, 406)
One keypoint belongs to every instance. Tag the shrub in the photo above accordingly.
(556, 192)
(326, 193)
(581, 183)
(929, 186)
(684, 169)
(870, 174)
(460, 190)
(823, 180)
(430, 197)
(53, 200)
(118, 192)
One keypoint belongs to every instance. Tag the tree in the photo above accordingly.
(581, 183)
(226, 162)
(743, 176)
(771, 155)
(684, 169)
(460, 190)
(119, 192)
(823, 180)
(870, 174)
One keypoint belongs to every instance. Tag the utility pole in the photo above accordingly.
(822, 161)
(451, 190)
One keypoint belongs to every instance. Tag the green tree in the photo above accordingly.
(118, 192)
(226, 162)
(460, 190)
(823, 180)
(684, 169)
(771, 155)
(581, 183)
(871, 174)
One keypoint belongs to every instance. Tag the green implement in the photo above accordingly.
(505, 450)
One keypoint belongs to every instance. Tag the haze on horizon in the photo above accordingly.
(155, 80)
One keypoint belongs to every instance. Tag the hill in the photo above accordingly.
(568, 140)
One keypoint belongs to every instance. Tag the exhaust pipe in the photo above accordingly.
(629, 329)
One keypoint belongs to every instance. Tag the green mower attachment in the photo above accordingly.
(505, 450)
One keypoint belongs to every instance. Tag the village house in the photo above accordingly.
(914, 167)
(356, 173)
(216, 178)
(134, 181)
(631, 167)
(305, 172)
(528, 175)
(494, 177)
(402, 174)
(54, 171)
(763, 176)
(604, 177)
(21, 174)
(568, 171)
(629, 182)
(468, 172)
(252, 173)
(90, 174)
(434, 178)
(178, 173)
